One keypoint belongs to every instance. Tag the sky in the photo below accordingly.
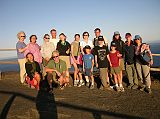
(76, 16)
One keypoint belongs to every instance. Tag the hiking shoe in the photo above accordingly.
(92, 87)
(130, 86)
(135, 87)
(108, 88)
(82, 83)
(87, 84)
(149, 90)
(121, 89)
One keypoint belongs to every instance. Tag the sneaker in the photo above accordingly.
(82, 83)
(75, 82)
(92, 87)
(149, 90)
(118, 89)
(135, 87)
(130, 86)
(87, 84)
(79, 85)
(121, 89)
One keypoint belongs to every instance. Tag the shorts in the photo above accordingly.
(88, 72)
(67, 60)
(115, 70)
(122, 64)
(103, 73)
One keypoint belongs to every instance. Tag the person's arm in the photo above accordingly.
(109, 60)
(28, 71)
(92, 64)
(96, 61)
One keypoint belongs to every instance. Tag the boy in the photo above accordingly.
(115, 67)
(88, 63)
(101, 60)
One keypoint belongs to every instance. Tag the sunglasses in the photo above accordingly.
(55, 56)
(23, 36)
(47, 38)
(85, 35)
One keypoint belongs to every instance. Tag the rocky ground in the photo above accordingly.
(20, 102)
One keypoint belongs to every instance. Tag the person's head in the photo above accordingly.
(21, 35)
(137, 40)
(55, 55)
(53, 33)
(30, 57)
(85, 35)
(113, 46)
(100, 40)
(116, 36)
(77, 37)
(87, 49)
(97, 32)
(33, 38)
(46, 38)
(62, 37)
(128, 36)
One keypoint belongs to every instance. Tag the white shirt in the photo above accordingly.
(83, 43)
(54, 41)
(46, 49)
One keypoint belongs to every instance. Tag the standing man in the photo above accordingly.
(21, 48)
(54, 39)
(130, 62)
(97, 32)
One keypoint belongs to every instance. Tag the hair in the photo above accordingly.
(55, 51)
(18, 34)
(85, 33)
(32, 36)
(115, 38)
(52, 30)
(30, 54)
(76, 35)
(45, 35)
(128, 34)
(97, 29)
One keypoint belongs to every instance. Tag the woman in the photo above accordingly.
(63, 48)
(34, 48)
(143, 69)
(33, 71)
(75, 55)
(21, 48)
(85, 41)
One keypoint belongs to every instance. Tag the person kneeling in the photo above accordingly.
(33, 71)
(57, 71)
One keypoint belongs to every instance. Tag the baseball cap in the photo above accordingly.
(87, 47)
(113, 44)
(100, 38)
(116, 33)
(137, 37)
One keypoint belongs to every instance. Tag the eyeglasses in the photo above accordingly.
(55, 56)
(47, 38)
(85, 35)
(23, 36)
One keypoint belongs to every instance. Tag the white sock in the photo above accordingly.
(81, 81)
(87, 80)
(116, 85)
(120, 85)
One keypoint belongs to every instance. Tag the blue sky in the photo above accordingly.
(76, 16)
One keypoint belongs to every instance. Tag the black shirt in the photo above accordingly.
(129, 54)
(102, 53)
(63, 47)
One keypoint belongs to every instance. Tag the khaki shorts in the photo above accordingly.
(122, 64)
(67, 60)
(115, 70)
(103, 73)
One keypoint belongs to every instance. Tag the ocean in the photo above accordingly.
(155, 48)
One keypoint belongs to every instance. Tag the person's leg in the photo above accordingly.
(103, 77)
(121, 69)
(22, 69)
(135, 78)
(75, 73)
(129, 75)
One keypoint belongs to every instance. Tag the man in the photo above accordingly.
(97, 32)
(57, 71)
(130, 62)
(54, 39)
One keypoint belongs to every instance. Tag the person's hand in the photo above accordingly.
(97, 65)
(119, 55)
(151, 62)
(68, 51)
(110, 64)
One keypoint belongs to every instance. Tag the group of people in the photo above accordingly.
(55, 56)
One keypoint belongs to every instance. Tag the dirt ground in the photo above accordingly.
(20, 102)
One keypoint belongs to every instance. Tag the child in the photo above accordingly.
(115, 67)
(33, 71)
(88, 63)
(101, 59)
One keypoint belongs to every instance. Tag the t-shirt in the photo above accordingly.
(87, 59)
(83, 43)
(54, 41)
(20, 45)
(76, 48)
(129, 54)
(60, 66)
(102, 53)
(114, 59)
(63, 47)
